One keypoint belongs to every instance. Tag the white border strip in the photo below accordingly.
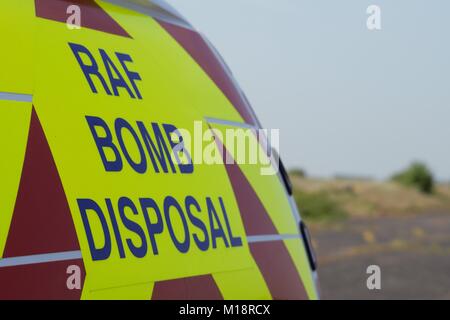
(16, 97)
(272, 237)
(293, 205)
(230, 123)
(75, 255)
(40, 258)
(154, 8)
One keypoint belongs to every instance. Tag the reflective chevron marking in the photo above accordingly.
(156, 9)
(20, 97)
(40, 258)
(274, 237)
(230, 123)
(73, 255)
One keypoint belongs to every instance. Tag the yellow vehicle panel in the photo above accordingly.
(92, 183)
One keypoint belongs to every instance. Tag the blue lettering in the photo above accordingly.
(161, 153)
(141, 251)
(132, 76)
(88, 70)
(116, 82)
(153, 228)
(96, 253)
(112, 216)
(178, 147)
(103, 143)
(201, 244)
(235, 241)
(182, 246)
(213, 220)
(141, 166)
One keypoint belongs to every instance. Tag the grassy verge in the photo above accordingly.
(318, 206)
(332, 200)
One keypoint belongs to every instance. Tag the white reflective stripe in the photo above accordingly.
(16, 97)
(40, 258)
(162, 4)
(155, 9)
(227, 69)
(275, 165)
(316, 283)
(75, 255)
(230, 123)
(272, 237)
(294, 208)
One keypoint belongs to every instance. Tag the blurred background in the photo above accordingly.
(364, 127)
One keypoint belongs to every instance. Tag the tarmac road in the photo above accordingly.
(412, 251)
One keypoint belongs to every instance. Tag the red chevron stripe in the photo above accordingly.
(279, 271)
(193, 288)
(201, 52)
(92, 15)
(42, 222)
(254, 216)
(272, 258)
(45, 281)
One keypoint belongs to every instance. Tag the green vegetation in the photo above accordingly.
(318, 206)
(297, 172)
(417, 176)
(412, 191)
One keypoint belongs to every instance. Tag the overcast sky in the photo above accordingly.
(347, 100)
